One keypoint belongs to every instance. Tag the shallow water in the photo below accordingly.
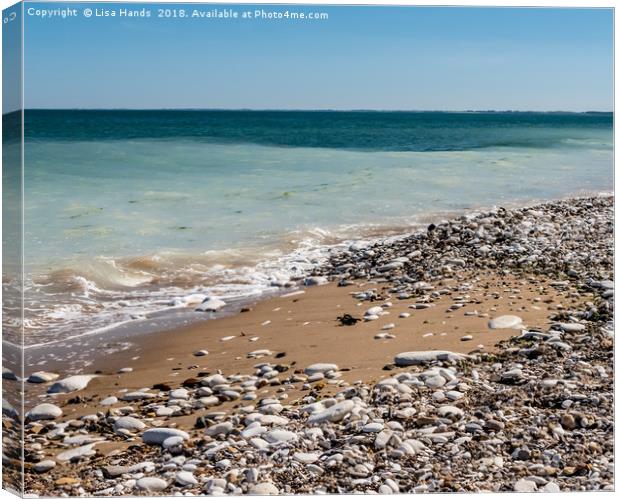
(127, 213)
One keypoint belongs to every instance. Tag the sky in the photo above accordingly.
(388, 58)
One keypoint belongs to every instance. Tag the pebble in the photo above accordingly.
(572, 327)
(44, 411)
(179, 393)
(551, 487)
(425, 357)
(450, 410)
(525, 486)
(211, 304)
(71, 384)
(263, 489)
(219, 429)
(173, 442)
(185, 478)
(77, 453)
(128, 423)
(156, 436)
(320, 368)
(42, 377)
(279, 436)
(435, 381)
(506, 322)
(372, 427)
(43, 466)
(333, 414)
(152, 484)
(130, 397)
(306, 457)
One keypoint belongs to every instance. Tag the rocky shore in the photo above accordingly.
(534, 413)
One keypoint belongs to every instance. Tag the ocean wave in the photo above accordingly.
(95, 296)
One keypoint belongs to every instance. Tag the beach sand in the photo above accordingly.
(506, 383)
(305, 328)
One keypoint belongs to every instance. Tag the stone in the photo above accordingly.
(179, 393)
(306, 457)
(256, 354)
(115, 470)
(454, 395)
(263, 489)
(152, 484)
(333, 414)
(279, 436)
(449, 410)
(374, 311)
(8, 410)
(211, 304)
(493, 425)
(44, 411)
(131, 396)
(320, 368)
(201, 353)
(568, 422)
(605, 284)
(128, 423)
(185, 478)
(435, 381)
(109, 401)
(551, 487)
(506, 322)
(571, 327)
(524, 485)
(512, 376)
(77, 453)
(66, 480)
(172, 442)
(42, 377)
(165, 411)
(71, 384)
(372, 427)
(425, 357)
(382, 439)
(43, 466)
(156, 436)
(219, 429)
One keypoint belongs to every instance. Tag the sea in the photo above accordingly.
(135, 215)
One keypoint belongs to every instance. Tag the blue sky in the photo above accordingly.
(360, 58)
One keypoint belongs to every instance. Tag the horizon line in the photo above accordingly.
(557, 111)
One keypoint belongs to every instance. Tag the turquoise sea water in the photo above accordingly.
(128, 212)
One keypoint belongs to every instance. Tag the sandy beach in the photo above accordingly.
(476, 355)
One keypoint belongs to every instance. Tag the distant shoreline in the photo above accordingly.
(259, 110)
